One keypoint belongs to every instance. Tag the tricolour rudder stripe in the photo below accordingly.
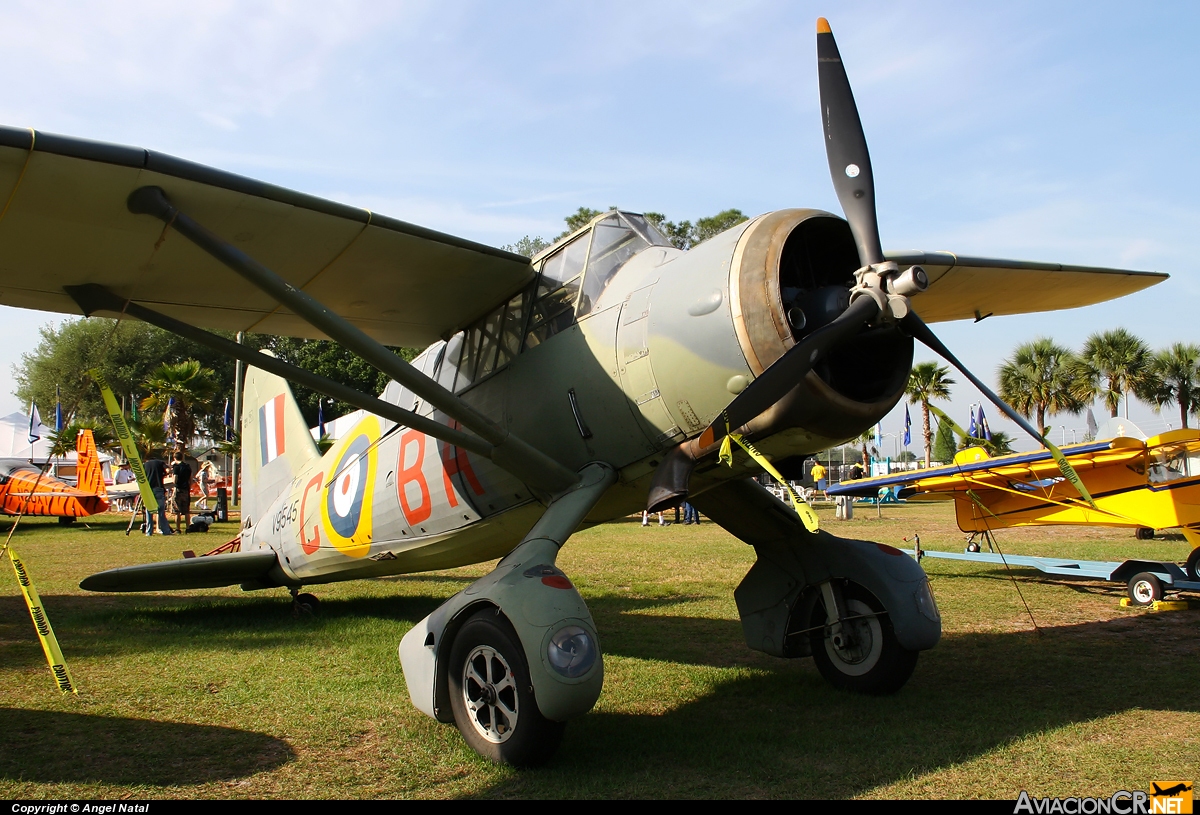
(276, 443)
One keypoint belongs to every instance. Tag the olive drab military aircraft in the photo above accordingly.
(602, 377)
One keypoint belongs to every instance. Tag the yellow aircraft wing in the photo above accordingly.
(63, 221)
(1153, 484)
(963, 287)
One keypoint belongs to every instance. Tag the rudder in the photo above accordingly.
(88, 471)
(276, 442)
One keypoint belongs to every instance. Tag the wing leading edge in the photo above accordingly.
(65, 223)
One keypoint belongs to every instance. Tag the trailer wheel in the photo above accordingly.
(1144, 533)
(1193, 565)
(1144, 589)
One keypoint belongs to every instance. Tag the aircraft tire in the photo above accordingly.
(491, 695)
(1193, 565)
(65, 520)
(875, 663)
(1144, 533)
(1144, 589)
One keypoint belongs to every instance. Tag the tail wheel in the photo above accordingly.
(492, 697)
(865, 657)
(1193, 565)
(1144, 589)
(1144, 533)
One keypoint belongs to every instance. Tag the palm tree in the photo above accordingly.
(148, 434)
(1174, 376)
(62, 442)
(1036, 381)
(1112, 364)
(928, 381)
(181, 391)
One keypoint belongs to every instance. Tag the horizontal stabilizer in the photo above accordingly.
(191, 573)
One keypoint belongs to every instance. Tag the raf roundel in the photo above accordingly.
(347, 506)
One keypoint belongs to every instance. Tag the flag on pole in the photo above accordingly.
(133, 407)
(167, 417)
(1091, 425)
(879, 436)
(58, 417)
(907, 427)
(972, 431)
(35, 423)
(985, 432)
(320, 419)
(228, 421)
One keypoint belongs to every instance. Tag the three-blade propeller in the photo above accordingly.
(881, 290)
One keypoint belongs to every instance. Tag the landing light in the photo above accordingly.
(571, 651)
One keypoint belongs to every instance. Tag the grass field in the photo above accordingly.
(221, 694)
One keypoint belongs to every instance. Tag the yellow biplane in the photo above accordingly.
(1145, 485)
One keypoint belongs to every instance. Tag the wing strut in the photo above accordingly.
(92, 298)
(509, 452)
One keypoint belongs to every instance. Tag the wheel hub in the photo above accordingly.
(489, 692)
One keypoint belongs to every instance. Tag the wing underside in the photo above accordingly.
(65, 223)
(962, 287)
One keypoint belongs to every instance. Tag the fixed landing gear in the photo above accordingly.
(491, 695)
(857, 649)
(304, 605)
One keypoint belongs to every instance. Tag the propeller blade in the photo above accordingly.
(846, 147)
(915, 326)
(787, 371)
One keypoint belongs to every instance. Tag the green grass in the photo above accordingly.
(220, 694)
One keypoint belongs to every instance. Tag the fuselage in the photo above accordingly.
(623, 349)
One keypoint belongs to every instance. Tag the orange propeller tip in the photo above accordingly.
(823, 26)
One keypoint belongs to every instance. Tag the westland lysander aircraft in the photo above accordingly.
(603, 376)
(1152, 484)
(26, 490)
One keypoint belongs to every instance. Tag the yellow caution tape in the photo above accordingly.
(41, 622)
(127, 444)
(725, 456)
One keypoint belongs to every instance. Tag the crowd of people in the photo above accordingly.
(171, 486)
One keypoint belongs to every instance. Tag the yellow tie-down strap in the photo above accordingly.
(127, 443)
(807, 516)
(54, 656)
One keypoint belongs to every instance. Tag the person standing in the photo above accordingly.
(691, 515)
(124, 476)
(183, 491)
(204, 478)
(155, 468)
(818, 476)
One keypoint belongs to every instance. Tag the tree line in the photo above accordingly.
(1042, 378)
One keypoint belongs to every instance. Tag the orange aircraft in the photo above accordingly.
(25, 490)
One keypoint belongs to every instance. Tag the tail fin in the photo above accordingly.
(88, 471)
(276, 442)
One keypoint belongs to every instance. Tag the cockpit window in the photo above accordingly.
(1170, 464)
(646, 229)
(614, 241)
(557, 291)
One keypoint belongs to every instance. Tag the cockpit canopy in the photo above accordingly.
(574, 274)
(572, 277)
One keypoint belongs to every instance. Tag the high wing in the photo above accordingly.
(64, 222)
(973, 469)
(962, 287)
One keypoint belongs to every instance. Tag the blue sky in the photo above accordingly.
(1051, 131)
